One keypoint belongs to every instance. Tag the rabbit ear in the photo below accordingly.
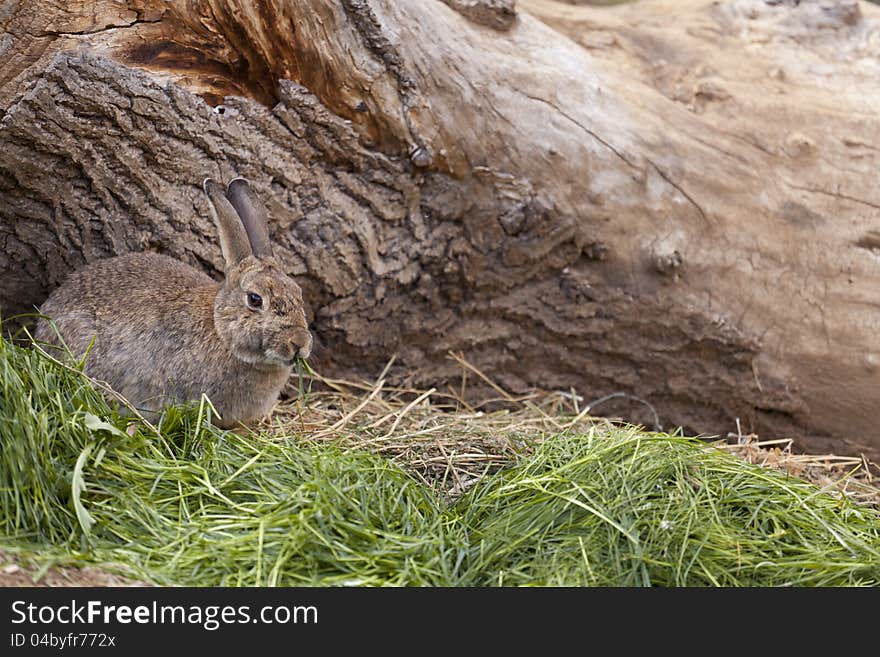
(233, 239)
(253, 216)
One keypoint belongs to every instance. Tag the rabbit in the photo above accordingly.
(165, 333)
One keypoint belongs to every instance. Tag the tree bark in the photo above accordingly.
(673, 199)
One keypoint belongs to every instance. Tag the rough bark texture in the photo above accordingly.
(678, 202)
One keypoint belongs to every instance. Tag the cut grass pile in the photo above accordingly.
(652, 509)
(579, 503)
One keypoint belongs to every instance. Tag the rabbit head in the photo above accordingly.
(259, 309)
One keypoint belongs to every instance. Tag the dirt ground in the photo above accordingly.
(16, 571)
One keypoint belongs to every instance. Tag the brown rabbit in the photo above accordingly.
(166, 333)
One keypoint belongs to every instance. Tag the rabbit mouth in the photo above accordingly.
(274, 358)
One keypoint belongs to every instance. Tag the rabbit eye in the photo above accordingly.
(254, 301)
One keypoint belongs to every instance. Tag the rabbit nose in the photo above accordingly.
(301, 347)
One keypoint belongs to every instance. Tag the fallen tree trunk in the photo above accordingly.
(678, 202)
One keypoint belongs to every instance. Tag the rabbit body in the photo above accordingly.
(165, 333)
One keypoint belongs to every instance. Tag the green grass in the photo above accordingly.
(198, 506)
(193, 505)
(652, 509)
